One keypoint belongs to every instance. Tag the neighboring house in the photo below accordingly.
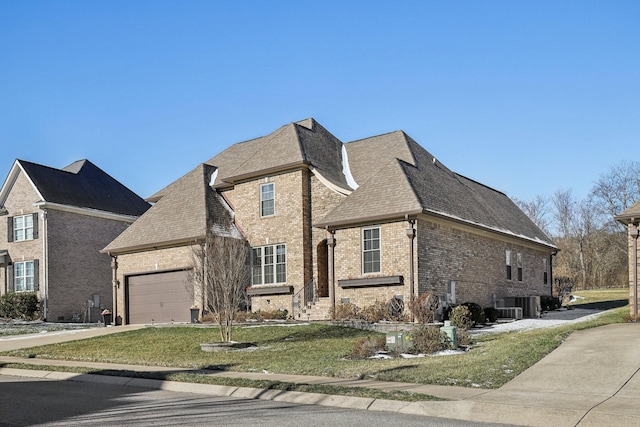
(631, 219)
(55, 223)
(330, 222)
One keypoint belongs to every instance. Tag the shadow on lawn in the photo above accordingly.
(317, 333)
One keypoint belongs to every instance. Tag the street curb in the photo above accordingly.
(349, 402)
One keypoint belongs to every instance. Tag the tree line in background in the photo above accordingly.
(593, 246)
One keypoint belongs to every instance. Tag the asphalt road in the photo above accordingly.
(29, 402)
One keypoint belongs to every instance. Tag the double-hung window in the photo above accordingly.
(545, 271)
(371, 250)
(23, 227)
(24, 276)
(269, 265)
(519, 264)
(508, 261)
(267, 199)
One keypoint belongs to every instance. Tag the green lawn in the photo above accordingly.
(320, 349)
(589, 296)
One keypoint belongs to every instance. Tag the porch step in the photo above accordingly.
(315, 311)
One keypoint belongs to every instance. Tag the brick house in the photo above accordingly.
(631, 219)
(55, 223)
(330, 222)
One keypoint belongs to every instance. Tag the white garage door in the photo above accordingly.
(159, 298)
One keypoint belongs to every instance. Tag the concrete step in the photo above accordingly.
(318, 310)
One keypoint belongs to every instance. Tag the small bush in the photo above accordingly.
(477, 314)
(429, 339)
(628, 318)
(19, 305)
(243, 316)
(461, 317)
(348, 311)
(424, 307)
(491, 314)
(463, 337)
(374, 313)
(367, 347)
(549, 303)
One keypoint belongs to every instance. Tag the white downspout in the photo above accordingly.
(45, 265)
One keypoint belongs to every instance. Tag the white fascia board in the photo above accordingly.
(11, 180)
(86, 211)
(328, 183)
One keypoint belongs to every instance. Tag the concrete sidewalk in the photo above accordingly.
(590, 380)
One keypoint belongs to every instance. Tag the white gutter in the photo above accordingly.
(86, 211)
(328, 183)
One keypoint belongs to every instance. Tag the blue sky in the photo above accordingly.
(525, 97)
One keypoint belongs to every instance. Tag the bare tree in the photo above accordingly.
(538, 210)
(220, 276)
(617, 189)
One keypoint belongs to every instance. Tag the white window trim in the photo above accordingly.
(25, 277)
(276, 255)
(363, 250)
(273, 198)
(24, 229)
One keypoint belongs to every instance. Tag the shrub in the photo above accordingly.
(374, 313)
(549, 303)
(628, 318)
(345, 311)
(477, 314)
(19, 305)
(424, 307)
(243, 316)
(491, 314)
(367, 347)
(429, 339)
(463, 337)
(461, 317)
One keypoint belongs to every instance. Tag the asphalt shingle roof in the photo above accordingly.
(83, 184)
(181, 215)
(395, 177)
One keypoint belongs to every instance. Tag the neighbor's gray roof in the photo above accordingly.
(179, 217)
(83, 184)
(398, 177)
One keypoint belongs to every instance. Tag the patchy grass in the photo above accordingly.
(589, 296)
(320, 349)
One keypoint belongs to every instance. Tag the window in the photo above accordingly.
(23, 227)
(269, 265)
(545, 272)
(267, 199)
(519, 264)
(24, 277)
(371, 250)
(508, 261)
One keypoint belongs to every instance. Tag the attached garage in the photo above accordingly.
(158, 298)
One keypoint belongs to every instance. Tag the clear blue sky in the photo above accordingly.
(527, 97)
